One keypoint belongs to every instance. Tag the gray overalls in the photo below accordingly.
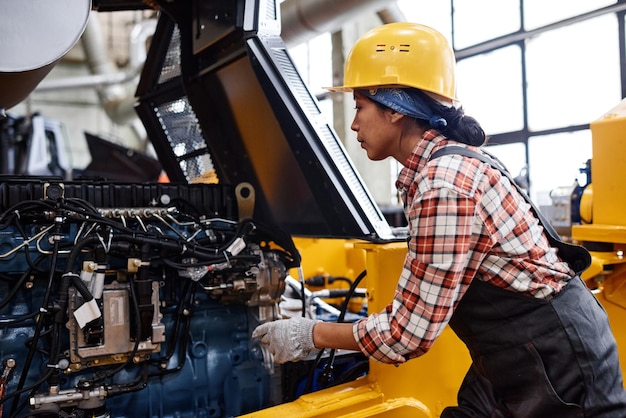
(537, 358)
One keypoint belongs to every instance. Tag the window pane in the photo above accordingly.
(490, 88)
(476, 21)
(573, 78)
(539, 13)
(555, 161)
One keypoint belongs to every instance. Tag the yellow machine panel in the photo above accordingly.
(419, 388)
(607, 169)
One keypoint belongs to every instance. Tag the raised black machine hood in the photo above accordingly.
(221, 97)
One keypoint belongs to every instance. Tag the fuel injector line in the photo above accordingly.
(38, 328)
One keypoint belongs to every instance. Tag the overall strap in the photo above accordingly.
(575, 255)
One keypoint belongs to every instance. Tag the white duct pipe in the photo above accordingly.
(305, 19)
(100, 64)
(116, 100)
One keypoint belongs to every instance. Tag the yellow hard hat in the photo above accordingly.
(401, 54)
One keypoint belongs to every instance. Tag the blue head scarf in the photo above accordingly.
(407, 101)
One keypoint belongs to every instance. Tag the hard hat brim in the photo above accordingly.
(350, 89)
(339, 89)
(446, 101)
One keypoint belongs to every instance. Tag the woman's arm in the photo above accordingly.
(334, 335)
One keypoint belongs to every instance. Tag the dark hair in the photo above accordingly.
(458, 126)
(450, 121)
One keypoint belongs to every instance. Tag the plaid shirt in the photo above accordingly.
(466, 222)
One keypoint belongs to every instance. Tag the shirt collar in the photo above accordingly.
(430, 142)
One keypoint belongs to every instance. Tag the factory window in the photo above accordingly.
(529, 71)
(536, 82)
(477, 21)
(490, 89)
(573, 78)
(538, 13)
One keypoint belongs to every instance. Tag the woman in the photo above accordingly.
(479, 259)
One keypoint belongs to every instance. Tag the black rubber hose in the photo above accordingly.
(327, 371)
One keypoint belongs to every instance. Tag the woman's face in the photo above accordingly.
(375, 132)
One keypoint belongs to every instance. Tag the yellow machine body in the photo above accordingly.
(419, 388)
(602, 207)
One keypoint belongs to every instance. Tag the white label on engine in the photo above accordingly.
(87, 312)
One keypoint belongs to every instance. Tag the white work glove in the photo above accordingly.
(288, 339)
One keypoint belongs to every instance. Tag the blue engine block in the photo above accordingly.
(136, 312)
(217, 373)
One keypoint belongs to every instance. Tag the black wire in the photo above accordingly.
(358, 369)
(331, 358)
(177, 324)
(139, 383)
(27, 205)
(351, 290)
(85, 205)
(15, 289)
(340, 279)
(182, 356)
(303, 297)
(213, 260)
(37, 333)
(17, 320)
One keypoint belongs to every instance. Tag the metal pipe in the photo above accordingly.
(116, 100)
(105, 73)
(391, 13)
(305, 19)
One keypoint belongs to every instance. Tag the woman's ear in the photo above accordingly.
(394, 116)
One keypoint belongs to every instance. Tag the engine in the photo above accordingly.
(116, 298)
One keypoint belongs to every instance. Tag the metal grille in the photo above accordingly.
(295, 81)
(197, 167)
(180, 125)
(270, 10)
(171, 62)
